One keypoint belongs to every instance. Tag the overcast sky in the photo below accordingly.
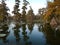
(35, 4)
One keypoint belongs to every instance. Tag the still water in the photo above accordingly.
(28, 34)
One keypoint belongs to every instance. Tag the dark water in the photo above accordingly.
(28, 34)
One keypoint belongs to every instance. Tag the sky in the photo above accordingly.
(35, 4)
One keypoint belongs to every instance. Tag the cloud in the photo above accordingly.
(37, 6)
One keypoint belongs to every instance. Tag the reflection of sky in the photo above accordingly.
(36, 37)
(36, 4)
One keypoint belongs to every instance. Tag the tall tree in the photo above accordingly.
(53, 10)
(30, 15)
(3, 10)
(25, 3)
(41, 11)
(17, 15)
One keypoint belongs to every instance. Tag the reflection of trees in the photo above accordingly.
(16, 32)
(30, 27)
(24, 33)
(5, 27)
(4, 33)
(40, 27)
(52, 38)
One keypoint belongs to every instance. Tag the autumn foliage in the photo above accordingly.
(53, 9)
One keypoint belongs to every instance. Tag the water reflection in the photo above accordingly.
(52, 36)
(30, 27)
(25, 36)
(28, 34)
(4, 33)
(40, 27)
(16, 32)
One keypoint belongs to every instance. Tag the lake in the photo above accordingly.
(28, 34)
